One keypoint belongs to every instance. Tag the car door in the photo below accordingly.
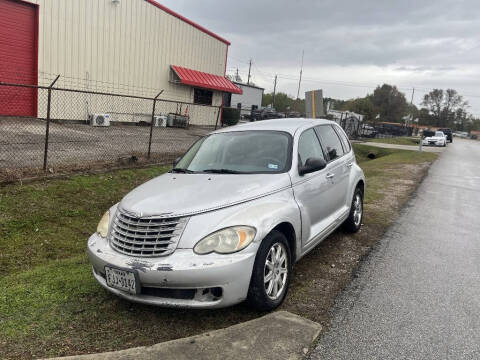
(312, 191)
(338, 169)
(348, 159)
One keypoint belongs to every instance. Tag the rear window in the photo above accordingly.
(344, 138)
(330, 141)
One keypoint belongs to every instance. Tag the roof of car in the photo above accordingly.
(290, 125)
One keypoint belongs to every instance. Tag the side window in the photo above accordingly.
(330, 141)
(346, 143)
(309, 147)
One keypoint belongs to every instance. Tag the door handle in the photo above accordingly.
(330, 176)
(350, 164)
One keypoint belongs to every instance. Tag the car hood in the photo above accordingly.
(187, 194)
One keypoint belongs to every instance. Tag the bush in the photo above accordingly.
(231, 116)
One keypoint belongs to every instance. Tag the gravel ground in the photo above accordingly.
(22, 143)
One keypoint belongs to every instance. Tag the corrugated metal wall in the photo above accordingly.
(126, 46)
(251, 96)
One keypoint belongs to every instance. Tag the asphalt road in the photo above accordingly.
(417, 295)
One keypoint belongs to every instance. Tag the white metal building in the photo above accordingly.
(252, 96)
(134, 46)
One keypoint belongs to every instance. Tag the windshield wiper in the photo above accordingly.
(222, 171)
(180, 170)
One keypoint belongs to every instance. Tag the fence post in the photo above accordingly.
(151, 124)
(47, 129)
(218, 117)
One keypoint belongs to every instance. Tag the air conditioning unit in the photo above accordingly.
(100, 120)
(160, 121)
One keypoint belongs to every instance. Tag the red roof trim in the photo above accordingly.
(205, 80)
(183, 18)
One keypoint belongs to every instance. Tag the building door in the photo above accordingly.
(18, 57)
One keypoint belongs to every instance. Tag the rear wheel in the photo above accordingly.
(354, 220)
(271, 273)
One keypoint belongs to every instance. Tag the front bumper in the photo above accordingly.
(436, 143)
(216, 280)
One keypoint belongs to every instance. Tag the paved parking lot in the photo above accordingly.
(22, 143)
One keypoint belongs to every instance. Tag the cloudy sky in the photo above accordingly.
(350, 46)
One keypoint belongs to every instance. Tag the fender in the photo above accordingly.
(264, 214)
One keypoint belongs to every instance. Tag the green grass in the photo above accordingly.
(403, 140)
(50, 304)
(387, 161)
(51, 220)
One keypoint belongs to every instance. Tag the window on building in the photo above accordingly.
(202, 96)
(227, 99)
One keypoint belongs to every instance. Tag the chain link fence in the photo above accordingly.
(57, 129)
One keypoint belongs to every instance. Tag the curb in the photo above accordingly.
(279, 335)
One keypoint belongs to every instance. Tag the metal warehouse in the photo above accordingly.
(134, 46)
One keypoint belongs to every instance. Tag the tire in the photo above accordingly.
(258, 297)
(354, 221)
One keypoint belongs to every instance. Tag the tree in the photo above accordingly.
(363, 106)
(283, 102)
(445, 107)
(389, 103)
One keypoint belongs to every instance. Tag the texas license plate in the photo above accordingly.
(121, 279)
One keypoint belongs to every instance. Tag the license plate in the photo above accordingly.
(121, 279)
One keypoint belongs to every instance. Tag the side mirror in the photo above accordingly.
(175, 162)
(312, 165)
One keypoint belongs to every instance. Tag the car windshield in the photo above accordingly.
(242, 152)
(439, 134)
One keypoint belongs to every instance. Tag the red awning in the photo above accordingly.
(205, 80)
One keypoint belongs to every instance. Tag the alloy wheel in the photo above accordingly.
(276, 271)
(357, 209)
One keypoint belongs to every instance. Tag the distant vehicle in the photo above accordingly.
(294, 114)
(368, 131)
(448, 133)
(438, 139)
(264, 114)
(462, 134)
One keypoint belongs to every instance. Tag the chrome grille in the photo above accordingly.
(147, 236)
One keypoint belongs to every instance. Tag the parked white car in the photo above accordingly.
(439, 139)
(228, 222)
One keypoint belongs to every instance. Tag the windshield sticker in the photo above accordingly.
(273, 166)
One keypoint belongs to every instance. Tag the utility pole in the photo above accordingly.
(274, 91)
(249, 68)
(236, 76)
(299, 83)
(421, 137)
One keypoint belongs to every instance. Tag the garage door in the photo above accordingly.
(18, 57)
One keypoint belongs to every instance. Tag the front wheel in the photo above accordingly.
(354, 220)
(271, 273)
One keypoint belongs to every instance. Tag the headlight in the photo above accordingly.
(102, 227)
(226, 241)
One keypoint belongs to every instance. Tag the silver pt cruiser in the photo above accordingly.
(228, 222)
